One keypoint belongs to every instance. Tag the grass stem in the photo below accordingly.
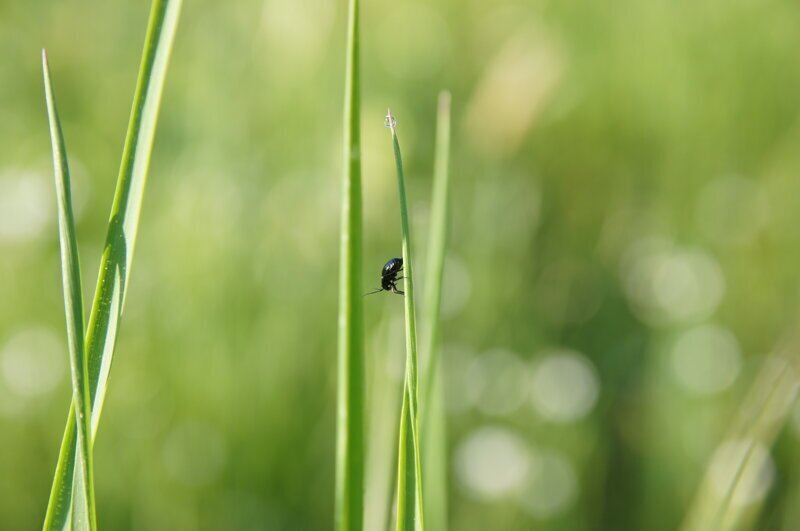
(118, 252)
(85, 518)
(409, 505)
(349, 502)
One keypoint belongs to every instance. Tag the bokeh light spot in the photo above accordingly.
(706, 359)
(564, 387)
(24, 205)
(552, 485)
(33, 362)
(491, 462)
(503, 378)
(671, 285)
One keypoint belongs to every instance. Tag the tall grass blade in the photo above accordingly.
(118, 252)
(409, 473)
(434, 453)
(349, 502)
(84, 515)
(725, 499)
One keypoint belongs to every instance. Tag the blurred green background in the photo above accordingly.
(624, 254)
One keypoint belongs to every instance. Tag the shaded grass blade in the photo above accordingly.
(85, 517)
(409, 473)
(349, 501)
(434, 456)
(118, 252)
(730, 473)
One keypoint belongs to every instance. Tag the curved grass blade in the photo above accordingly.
(409, 473)
(434, 457)
(84, 517)
(118, 252)
(736, 469)
(349, 502)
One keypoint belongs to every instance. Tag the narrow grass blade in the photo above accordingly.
(408, 507)
(349, 502)
(84, 514)
(434, 457)
(724, 500)
(118, 252)
(409, 473)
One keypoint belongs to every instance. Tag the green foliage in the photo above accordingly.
(410, 513)
(350, 399)
(83, 514)
(117, 255)
(741, 461)
(605, 162)
(434, 447)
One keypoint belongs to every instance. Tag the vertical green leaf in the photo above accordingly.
(84, 516)
(349, 503)
(434, 457)
(118, 252)
(409, 473)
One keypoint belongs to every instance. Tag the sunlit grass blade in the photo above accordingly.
(434, 452)
(118, 252)
(723, 501)
(84, 516)
(409, 473)
(349, 501)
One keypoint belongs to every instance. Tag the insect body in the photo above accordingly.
(389, 276)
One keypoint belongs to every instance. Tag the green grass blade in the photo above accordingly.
(409, 507)
(85, 518)
(434, 458)
(761, 417)
(118, 252)
(349, 502)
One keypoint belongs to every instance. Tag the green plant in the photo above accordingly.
(410, 514)
(349, 507)
(738, 463)
(86, 517)
(434, 451)
(117, 256)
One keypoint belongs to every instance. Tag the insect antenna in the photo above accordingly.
(373, 292)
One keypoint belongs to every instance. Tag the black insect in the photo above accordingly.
(389, 277)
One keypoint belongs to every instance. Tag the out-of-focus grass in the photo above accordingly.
(432, 414)
(738, 467)
(610, 162)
